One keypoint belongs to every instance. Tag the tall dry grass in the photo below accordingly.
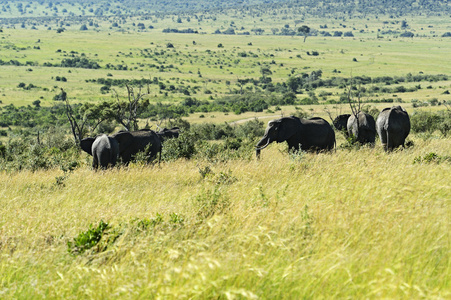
(350, 224)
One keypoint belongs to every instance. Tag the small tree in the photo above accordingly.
(305, 30)
(87, 118)
(354, 99)
(127, 112)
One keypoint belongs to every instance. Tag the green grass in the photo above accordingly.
(375, 57)
(358, 224)
(350, 224)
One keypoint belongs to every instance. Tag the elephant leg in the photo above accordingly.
(95, 162)
(390, 145)
(113, 161)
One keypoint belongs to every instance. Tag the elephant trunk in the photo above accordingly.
(263, 143)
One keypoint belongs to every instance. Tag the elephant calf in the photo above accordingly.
(104, 150)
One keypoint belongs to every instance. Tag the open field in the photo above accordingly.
(203, 69)
(356, 223)
(350, 224)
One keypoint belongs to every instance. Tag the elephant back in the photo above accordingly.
(132, 142)
(365, 121)
(398, 120)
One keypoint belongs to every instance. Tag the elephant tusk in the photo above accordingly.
(263, 147)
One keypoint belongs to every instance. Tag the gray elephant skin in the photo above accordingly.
(313, 134)
(104, 150)
(341, 123)
(393, 127)
(363, 127)
(132, 142)
(165, 133)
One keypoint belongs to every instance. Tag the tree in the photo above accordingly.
(354, 100)
(305, 30)
(37, 103)
(127, 112)
(87, 118)
(404, 24)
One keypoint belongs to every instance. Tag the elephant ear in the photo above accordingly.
(86, 145)
(285, 129)
(125, 139)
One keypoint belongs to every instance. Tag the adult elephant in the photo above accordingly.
(104, 150)
(168, 133)
(393, 127)
(132, 142)
(313, 134)
(363, 127)
(341, 123)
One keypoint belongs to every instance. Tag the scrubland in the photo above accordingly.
(354, 223)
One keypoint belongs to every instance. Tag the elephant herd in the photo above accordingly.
(392, 126)
(106, 150)
(315, 134)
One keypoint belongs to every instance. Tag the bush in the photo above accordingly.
(181, 147)
(88, 239)
(431, 158)
(423, 121)
(24, 153)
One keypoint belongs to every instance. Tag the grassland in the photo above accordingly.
(349, 224)
(355, 223)
(204, 69)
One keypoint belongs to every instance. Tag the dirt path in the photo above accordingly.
(253, 118)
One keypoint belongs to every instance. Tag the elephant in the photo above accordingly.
(165, 133)
(393, 127)
(104, 150)
(313, 134)
(132, 142)
(341, 123)
(363, 127)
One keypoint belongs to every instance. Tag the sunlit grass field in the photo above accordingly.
(351, 224)
(204, 65)
(358, 224)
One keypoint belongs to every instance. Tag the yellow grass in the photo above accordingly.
(358, 224)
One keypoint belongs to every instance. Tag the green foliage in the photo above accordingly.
(181, 147)
(428, 122)
(211, 202)
(25, 153)
(194, 141)
(145, 224)
(100, 238)
(79, 62)
(432, 158)
(88, 239)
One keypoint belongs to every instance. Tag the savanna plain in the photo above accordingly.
(350, 224)
(354, 223)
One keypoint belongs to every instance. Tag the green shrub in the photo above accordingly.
(431, 158)
(24, 152)
(210, 203)
(181, 147)
(88, 239)
(424, 121)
